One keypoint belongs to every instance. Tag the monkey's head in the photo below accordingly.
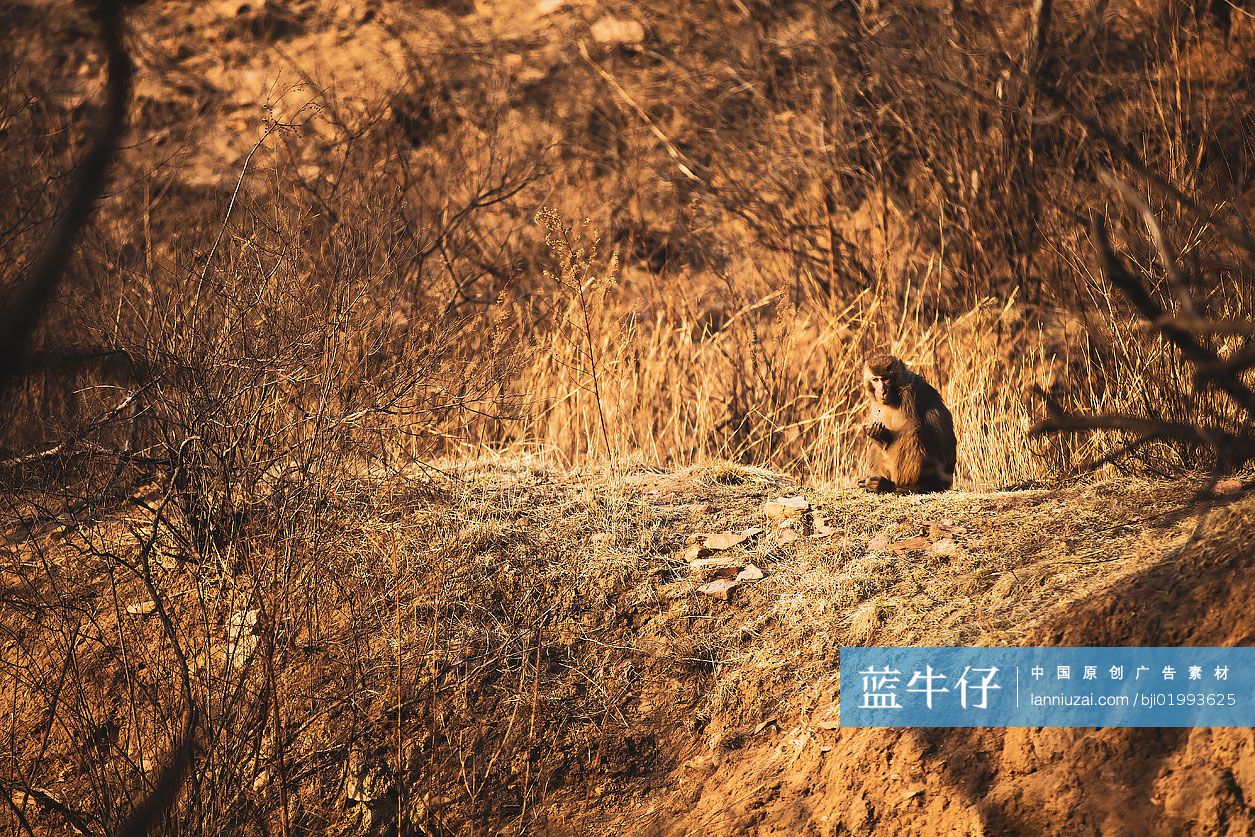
(882, 376)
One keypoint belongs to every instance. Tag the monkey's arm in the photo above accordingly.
(878, 433)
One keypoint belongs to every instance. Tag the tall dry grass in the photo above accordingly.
(760, 379)
(779, 384)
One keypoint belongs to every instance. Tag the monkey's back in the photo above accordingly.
(936, 422)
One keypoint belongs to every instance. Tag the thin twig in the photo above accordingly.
(681, 161)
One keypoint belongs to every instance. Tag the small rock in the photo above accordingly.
(725, 540)
(770, 722)
(750, 573)
(613, 32)
(242, 623)
(788, 535)
(822, 529)
(878, 544)
(909, 795)
(692, 552)
(528, 76)
(242, 641)
(702, 764)
(857, 815)
(919, 542)
(718, 589)
(783, 508)
(945, 547)
(1228, 487)
(548, 7)
(142, 608)
(368, 783)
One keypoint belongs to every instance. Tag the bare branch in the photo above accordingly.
(25, 311)
(1176, 280)
(1221, 326)
(1230, 449)
(1190, 346)
(1134, 160)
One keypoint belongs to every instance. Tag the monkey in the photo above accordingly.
(911, 425)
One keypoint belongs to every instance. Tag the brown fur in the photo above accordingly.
(911, 425)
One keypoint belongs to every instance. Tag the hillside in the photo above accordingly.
(442, 416)
(533, 646)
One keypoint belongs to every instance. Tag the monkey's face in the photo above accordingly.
(881, 388)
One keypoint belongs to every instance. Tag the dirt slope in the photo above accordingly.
(520, 648)
(771, 762)
(1046, 781)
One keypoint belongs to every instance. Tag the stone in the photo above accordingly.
(242, 623)
(368, 783)
(770, 722)
(784, 508)
(720, 589)
(242, 641)
(750, 573)
(717, 562)
(614, 32)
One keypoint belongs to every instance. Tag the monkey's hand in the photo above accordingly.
(877, 485)
(877, 432)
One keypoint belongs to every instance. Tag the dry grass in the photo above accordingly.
(834, 200)
(766, 381)
(326, 426)
(459, 659)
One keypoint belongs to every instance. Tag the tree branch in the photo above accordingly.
(26, 308)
